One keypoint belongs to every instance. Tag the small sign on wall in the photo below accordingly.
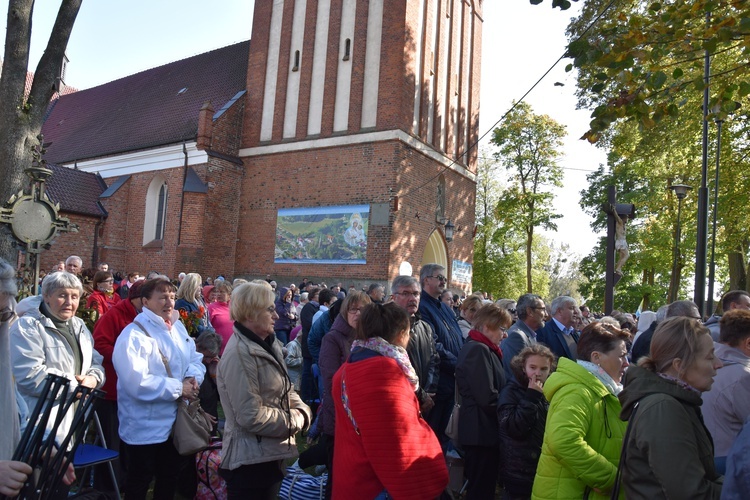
(462, 272)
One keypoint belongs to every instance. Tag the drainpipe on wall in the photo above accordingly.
(182, 192)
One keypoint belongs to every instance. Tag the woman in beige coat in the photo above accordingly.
(263, 412)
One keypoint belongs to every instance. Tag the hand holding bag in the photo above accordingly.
(191, 432)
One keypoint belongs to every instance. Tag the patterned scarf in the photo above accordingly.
(396, 353)
(597, 371)
(679, 382)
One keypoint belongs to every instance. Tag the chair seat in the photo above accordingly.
(89, 454)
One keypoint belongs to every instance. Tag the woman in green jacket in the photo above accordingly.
(583, 435)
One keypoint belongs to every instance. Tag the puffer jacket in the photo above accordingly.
(263, 412)
(521, 415)
(38, 348)
(284, 309)
(727, 405)
(582, 438)
(669, 453)
(334, 351)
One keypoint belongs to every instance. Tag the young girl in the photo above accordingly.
(522, 414)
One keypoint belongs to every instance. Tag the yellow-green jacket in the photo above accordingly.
(582, 438)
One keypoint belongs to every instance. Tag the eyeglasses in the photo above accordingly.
(439, 277)
(512, 311)
(356, 310)
(110, 280)
(271, 309)
(408, 294)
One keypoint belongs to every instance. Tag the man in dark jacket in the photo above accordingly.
(309, 389)
(522, 333)
(558, 333)
(422, 349)
(449, 342)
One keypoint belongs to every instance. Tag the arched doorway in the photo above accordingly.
(436, 252)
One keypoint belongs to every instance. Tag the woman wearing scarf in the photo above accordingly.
(480, 377)
(583, 436)
(382, 443)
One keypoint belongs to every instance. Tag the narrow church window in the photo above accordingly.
(161, 212)
(155, 220)
(347, 49)
(296, 61)
(440, 200)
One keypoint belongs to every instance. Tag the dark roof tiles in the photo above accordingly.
(76, 191)
(144, 110)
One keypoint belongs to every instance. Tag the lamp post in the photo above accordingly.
(680, 190)
(712, 264)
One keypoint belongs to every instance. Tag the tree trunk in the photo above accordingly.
(737, 271)
(529, 241)
(21, 115)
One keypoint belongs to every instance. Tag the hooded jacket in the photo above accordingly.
(582, 438)
(669, 453)
(38, 348)
(727, 404)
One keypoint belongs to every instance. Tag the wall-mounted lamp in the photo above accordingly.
(448, 229)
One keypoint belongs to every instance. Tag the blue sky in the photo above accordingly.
(520, 42)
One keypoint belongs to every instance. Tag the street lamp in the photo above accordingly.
(712, 264)
(680, 190)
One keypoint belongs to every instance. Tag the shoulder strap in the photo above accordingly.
(618, 478)
(163, 358)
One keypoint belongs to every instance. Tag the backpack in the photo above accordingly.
(210, 485)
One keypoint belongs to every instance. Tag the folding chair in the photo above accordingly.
(89, 455)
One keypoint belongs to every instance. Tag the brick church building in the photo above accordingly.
(332, 146)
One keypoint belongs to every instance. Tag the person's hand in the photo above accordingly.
(427, 405)
(211, 419)
(536, 384)
(190, 388)
(87, 381)
(13, 476)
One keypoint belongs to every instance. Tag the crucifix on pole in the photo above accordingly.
(33, 218)
(617, 246)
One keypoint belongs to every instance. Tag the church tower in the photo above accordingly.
(363, 102)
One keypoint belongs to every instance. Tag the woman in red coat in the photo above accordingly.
(382, 444)
(104, 297)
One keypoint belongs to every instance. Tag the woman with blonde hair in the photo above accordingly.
(468, 309)
(263, 412)
(668, 453)
(190, 301)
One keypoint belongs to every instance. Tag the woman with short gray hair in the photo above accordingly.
(49, 338)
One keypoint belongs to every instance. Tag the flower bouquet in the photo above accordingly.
(192, 320)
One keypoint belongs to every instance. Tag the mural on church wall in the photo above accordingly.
(322, 235)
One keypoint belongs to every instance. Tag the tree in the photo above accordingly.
(528, 147)
(564, 272)
(22, 114)
(639, 61)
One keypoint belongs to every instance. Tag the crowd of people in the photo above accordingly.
(551, 401)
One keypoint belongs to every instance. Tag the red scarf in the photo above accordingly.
(478, 336)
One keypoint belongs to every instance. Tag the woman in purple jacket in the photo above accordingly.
(287, 315)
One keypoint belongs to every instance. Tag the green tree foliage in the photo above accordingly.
(640, 61)
(528, 147)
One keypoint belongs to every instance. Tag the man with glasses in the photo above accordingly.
(449, 343)
(531, 310)
(422, 349)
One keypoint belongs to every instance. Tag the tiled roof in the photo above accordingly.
(76, 191)
(156, 107)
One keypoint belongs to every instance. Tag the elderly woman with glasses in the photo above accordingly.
(263, 412)
(480, 377)
(334, 351)
(103, 298)
(49, 338)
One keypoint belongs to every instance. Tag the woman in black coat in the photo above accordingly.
(522, 414)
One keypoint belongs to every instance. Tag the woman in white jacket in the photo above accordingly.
(147, 397)
(49, 338)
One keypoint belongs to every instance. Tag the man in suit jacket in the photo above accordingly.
(558, 334)
(531, 311)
